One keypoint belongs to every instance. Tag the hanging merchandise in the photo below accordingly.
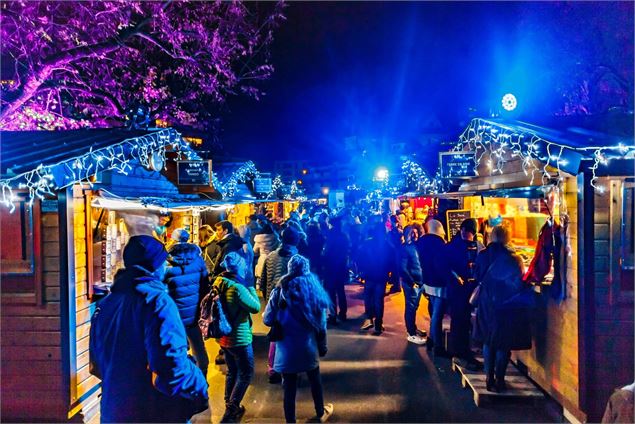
(558, 288)
(548, 253)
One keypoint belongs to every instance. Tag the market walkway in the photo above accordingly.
(371, 379)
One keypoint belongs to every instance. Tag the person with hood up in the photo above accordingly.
(187, 282)
(265, 242)
(410, 273)
(299, 304)
(501, 325)
(430, 247)
(374, 259)
(138, 345)
(275, 267)
(239, 300)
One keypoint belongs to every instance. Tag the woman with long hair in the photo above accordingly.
(298, 306)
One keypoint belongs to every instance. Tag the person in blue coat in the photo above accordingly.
(188, 283)
(138, 346)
(299, 304)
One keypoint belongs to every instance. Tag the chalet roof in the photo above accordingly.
(24, 151)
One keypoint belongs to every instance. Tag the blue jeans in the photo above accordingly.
(495, 362)
(412, 296)
(374, 301)
(240, 371)
(437, 308)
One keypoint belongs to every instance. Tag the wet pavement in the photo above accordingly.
(372, 379)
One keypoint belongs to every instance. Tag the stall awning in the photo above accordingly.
(530, 192)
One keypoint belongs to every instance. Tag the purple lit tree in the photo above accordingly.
(74, 64)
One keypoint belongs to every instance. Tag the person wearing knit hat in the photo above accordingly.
(138, 346)
(239, 301)
(144, 251)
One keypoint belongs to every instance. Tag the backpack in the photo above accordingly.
(213, 322)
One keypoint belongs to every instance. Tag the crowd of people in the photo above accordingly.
(300, 266)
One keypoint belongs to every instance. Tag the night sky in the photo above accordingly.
(392, 70)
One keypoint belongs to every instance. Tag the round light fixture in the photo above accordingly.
(509, 102)
(381, 174)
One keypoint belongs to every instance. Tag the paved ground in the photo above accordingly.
(372, 379)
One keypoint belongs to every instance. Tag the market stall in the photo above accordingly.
(72, 203)
(566, 210)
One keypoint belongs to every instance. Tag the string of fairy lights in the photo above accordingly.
(493, 144)
(45, 179)
(496, 143)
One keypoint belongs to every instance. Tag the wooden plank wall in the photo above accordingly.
(553, 362)
(613, 328)
(86, 402)
(32, 382)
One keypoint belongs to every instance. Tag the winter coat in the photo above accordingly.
(275, 267)
(410, 267)
(263, 245)
(315, 245)
(335, 258)
(499, 271)
(210, 252)
(298, 350)
(460, 258)
(248, 254)
(138, 348)
(430, 248)
(231, 243)
(374, 258)
(186, 278)
(239, 302)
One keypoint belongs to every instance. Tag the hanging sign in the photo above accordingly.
(262, 185)
(194, 172)
(457, 164)
(454, 218)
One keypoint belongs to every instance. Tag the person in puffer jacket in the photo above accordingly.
(276, 263)
(264, 243)
(138, 346)
(239, 300)
(187, 283)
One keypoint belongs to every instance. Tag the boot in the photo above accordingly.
(490, 384)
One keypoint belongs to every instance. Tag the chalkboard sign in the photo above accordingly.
(454, 218)
(194, 172)
(457, 164)
(262, 185)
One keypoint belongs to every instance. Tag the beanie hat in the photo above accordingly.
(290, 236)
(469, 225)
(180, 235)
(234, 262)
(145, 251)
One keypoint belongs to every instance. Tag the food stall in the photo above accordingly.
(72, 199)
(531, 179)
